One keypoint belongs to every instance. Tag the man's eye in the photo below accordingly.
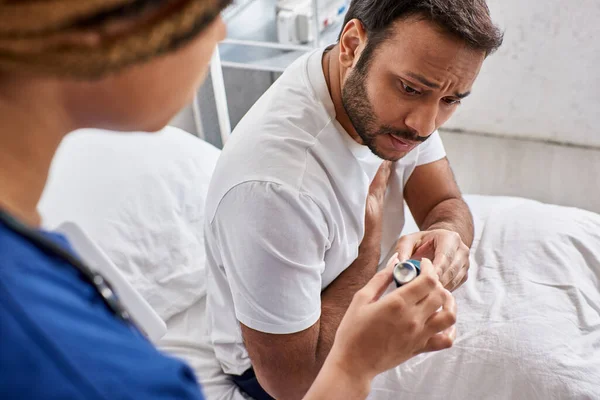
(451, 101)
(408, 89)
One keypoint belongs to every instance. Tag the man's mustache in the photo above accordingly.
(402, 134)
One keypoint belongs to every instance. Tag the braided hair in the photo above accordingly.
(89, 39)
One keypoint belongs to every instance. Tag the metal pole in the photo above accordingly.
(268, 45)
(216, 74)
(197, 117)
(315, 5)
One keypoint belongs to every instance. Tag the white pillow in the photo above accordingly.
(140, 197)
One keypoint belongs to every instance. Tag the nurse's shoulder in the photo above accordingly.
(58, 339)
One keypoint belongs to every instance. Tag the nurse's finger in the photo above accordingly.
(418, 289)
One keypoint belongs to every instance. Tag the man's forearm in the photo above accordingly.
(453, 215)
(336, 299)
(317, 341)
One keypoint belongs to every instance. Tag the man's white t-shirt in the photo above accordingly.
(285, 211)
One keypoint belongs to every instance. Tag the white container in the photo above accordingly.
(295, 19)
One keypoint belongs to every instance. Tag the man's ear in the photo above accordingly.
(352, 42)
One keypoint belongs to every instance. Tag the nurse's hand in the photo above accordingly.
(379, 333)
(449, 254)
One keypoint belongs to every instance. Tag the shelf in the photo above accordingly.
(251, 41)
(261, 59)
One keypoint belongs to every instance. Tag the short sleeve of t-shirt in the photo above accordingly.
(432, 150)
(274, 257)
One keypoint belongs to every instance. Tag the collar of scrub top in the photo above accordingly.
(48, 246)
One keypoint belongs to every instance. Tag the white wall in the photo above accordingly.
(550, 173)
(543, 85)
(544, 82)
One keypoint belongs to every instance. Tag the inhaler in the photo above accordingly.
(407, 271)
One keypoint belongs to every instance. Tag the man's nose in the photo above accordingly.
(422, 119)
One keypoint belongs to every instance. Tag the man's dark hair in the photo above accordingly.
(468, 20)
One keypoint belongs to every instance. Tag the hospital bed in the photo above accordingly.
(528, 319)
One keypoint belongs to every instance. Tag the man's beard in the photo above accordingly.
(360, 111)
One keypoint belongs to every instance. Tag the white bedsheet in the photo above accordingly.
(529, 315)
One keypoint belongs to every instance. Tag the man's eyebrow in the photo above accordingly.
(433, 85)
(423, 80)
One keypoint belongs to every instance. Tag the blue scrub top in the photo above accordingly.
(58, 339)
